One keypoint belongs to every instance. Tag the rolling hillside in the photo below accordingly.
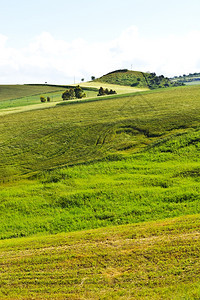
(99, 199)
(39, 140)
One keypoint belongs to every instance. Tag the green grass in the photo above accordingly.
(14, 92)
(39, 140)
(121, 160)
(160, 183)
(12, 96)
(156, 260)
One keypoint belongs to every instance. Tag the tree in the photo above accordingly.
(101, 92)
(92, 78)
(72, 93)
(82, 79)
(68, 94)
(48, 99)
(79, 93)
(106, 91)
(43, 99)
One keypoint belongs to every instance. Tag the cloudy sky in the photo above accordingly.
(59, 41)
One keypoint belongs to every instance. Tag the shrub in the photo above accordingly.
(43, 99)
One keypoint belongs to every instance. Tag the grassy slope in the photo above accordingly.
(10, 92)
(160, 182)
(157, 260)
(157, 184)
(71, 134)
(145, 261)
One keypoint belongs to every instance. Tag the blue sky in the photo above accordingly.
(55, 41)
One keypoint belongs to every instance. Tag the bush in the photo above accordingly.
(43, 99)
(68, 94)
(79, 93)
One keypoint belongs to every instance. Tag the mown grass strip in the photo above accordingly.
(156, 260)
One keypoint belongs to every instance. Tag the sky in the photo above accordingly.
(63, 41)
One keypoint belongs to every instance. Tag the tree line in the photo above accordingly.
(78, 93)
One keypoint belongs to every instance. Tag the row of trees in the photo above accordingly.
(105, 92)
(73, 93)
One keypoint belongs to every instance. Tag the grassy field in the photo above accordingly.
(95, 165)
(12, 96)
(39, 140)
(137, 152)
(154, 185)
(14, 92)
(156, 260)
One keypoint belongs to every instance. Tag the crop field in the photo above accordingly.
(100, 199)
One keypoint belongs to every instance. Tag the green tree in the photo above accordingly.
(68, 94)
(79, 93)
(101, 92)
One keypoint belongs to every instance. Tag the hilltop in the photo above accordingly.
(137, 79)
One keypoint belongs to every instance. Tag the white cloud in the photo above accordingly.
(46, 58)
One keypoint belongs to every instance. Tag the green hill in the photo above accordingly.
(137, 79)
